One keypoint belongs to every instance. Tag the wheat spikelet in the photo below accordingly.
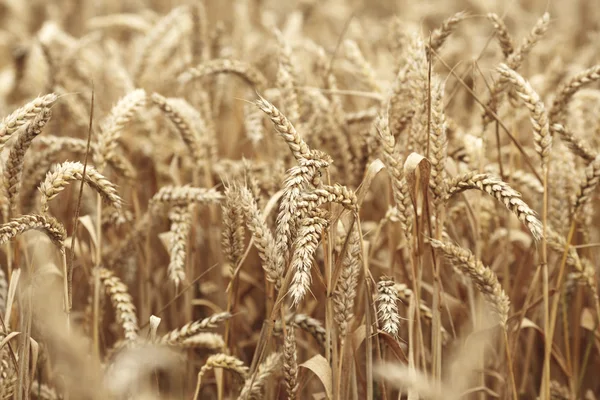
(184, 195)
(437, 142)
(224, 361)
(3, 292)
(504, 39)
(310, 325)
(538, 31)
(587, 185)
(578, 146)
(322, 194)
(503, 193)
(297, 145)
(121, 301)
(483, 277)
(309, 235)
(62, 174)
(567, 90)
(345, 290)
(111, 127)
(254, 384)
(393, 164)
(21, 116)
(218, 66)
(14, 164)
(232, 233)
(439, 35)
(539, 118)
(181, 224)
(290, 363)
(193, 328)
(203, 340)
(186, 120)
(387, 307)
(263, 238)
(297, 179)
(47, 224)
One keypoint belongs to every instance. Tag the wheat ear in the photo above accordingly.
(121, 301)
(181, 225)
(193, 328)
(21, 116)
(504, 39)
(387, 307)
(290, 363)
(483, 277)
(503, 193)
(44, 223)
(62, 174)
(14, 164)
(254, 384)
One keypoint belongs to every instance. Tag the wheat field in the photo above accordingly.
(264, 199)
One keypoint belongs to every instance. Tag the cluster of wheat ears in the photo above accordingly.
(344, 199)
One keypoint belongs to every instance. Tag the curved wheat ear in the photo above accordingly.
(539, 118)
(184, 195)
(21, 116)
(587, 185)
(387, 307)
(62, 174)
(154, 36)
(44, 223)
(263, 238)
(503, 193)
(219, 66)
(483, 277)
(181, 224)
(345, 290)
(186, 120)
(284, 127)
(504, 38)
(121, 301)
(254, 384)
(439, 35)
(578, 146)
(111, 127)
(309, 235)
(567, 90)
(14, 164)
(224, 361)
(193, 328)
(290, 363)
(232, 231)
(339, 194)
